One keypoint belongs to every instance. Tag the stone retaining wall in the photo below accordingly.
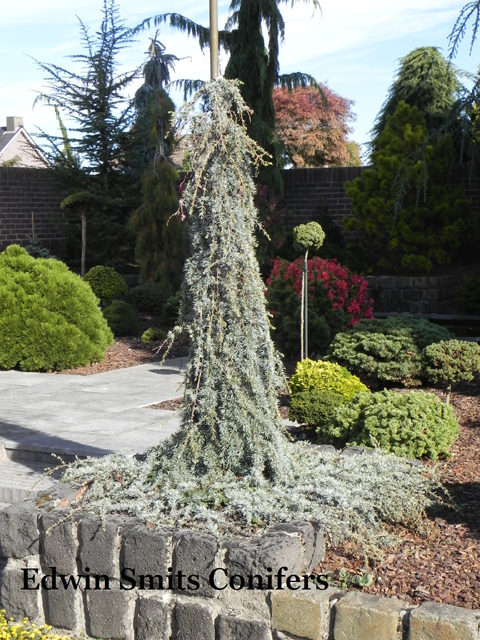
(137, 612)
(432, 294)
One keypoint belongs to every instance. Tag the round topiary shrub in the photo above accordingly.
(153, 334)
(337, 299)
(411, 425)
(386, 350)
(320, 375)
(122, 318)
(106, 283)
(306, 236)
(49, 319)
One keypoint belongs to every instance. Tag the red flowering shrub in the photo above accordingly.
(337, 299)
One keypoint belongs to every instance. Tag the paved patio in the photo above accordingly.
(71, 415)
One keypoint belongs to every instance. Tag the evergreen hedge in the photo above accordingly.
(49, 317)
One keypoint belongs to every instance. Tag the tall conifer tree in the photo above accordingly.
(427, 81)
(255, 64)
(160, 246)
(96, 115)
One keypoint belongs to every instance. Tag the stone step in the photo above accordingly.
(20, 480)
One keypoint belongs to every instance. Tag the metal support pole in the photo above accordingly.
(305, 297)
(213, 40)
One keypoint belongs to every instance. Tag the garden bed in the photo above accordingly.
(443, 563)
(131, 351)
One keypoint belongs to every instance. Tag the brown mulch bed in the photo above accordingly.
(442, 563)
(129, 352)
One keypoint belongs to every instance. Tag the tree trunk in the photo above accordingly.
(84, 243)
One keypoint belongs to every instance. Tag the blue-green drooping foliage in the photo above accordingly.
(230, 419)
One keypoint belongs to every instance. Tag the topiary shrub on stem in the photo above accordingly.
(230, 467)
(49, 317)
(306, 237)
(451, 361)
(412, 425)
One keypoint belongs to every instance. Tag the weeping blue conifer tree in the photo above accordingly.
(230, 418)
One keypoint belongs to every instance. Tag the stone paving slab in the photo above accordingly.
(22, 480)
(88, 415)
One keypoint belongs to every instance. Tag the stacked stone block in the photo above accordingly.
(41, 539)
(403, 294)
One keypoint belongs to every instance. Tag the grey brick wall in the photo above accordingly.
(176, 613)
(26, 192)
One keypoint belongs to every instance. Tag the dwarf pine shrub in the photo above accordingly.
(386, 350)
(122, 318)
(106, 283)
(49, 317)
(149, 297)
(321, 375)
(451, 361)
(315, 409)
(411, 425)
(153, 334)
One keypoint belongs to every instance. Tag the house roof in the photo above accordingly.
(12, 136)
(6, 137)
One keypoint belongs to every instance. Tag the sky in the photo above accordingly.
(354, 46)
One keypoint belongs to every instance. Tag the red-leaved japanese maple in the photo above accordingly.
(314, 133)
